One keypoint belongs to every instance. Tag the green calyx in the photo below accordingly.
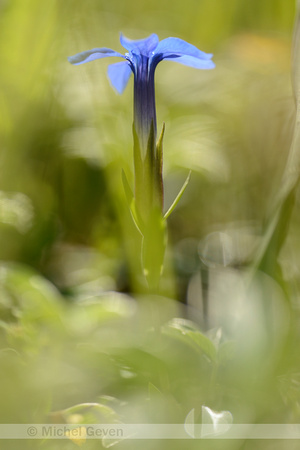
(146, 203)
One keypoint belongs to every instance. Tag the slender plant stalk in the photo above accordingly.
(146, 201)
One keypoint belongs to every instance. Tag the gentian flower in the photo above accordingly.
(141, 60)
(146, 204)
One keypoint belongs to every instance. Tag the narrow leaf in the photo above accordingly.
(127, 188)
(179, 195)
(159, 166)
(131, 202)
(135, 216)
(159, 150)
(149, 159)
(138, 166)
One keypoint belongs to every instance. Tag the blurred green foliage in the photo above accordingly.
(76, 323)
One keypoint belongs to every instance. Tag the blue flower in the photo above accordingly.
(141, 60)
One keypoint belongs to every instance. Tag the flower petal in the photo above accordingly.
(191, 61)
(91, 55)
(119, 75)
(141, 46)
(175, 46)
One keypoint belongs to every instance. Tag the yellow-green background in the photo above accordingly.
(66, 237)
